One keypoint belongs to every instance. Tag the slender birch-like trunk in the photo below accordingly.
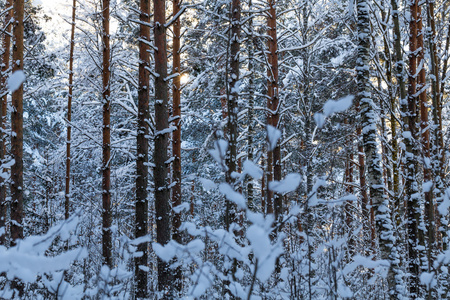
(379, 201)
(399, 74)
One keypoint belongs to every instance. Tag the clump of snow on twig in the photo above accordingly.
(330, 107)
(16, 80)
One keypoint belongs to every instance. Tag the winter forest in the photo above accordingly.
(224, 149)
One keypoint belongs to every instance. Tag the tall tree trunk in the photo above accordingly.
(425, 139)
(349, 211)
(176, 139)
(141, 206)
(176, 136)
(390, 160)
(69, 113)
(387, 175)
(394, 66)
(3, 105)
(438, 149)
(17, 128)
(399, 63)
(106, 163)
(251, 105)
(440, 132)
(17, 137)
(398, 203)
(162, 193)
(232, 124)
(274, 163)
(373, 159)
(415, 234)
(365, 204)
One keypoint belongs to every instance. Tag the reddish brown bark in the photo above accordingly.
(176, 136)
(162, 204)
(415, 232)
(17, 128)
(106, 163)
(3, 105)
(17, 137)
(69, 113)
(141, 226)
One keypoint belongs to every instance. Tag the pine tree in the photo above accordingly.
(176, 135)
(425, 144)
(232, 105)
(69, 113)
(106, 144)
(4, 101)
(274, 202)
(415, 231)
(162, 193)
(141, 206)
(17, 128)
